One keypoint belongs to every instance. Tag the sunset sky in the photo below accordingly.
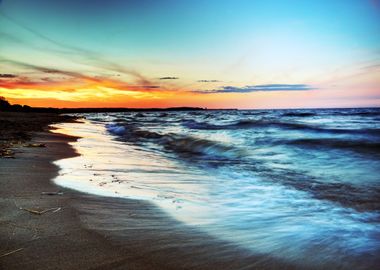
(214, 53)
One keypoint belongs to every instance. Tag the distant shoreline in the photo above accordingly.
(171, 109)
(20, 108)
(5, 106)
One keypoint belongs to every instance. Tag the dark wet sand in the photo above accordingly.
(91, 232)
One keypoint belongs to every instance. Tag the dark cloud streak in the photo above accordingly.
(7, 75)
(168, 78)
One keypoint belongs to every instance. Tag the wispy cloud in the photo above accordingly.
(371, 67)
(257, 88)
(63, 80)
(76, 54)
(208, 81)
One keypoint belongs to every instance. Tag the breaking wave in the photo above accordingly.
(299, 184)
(264, 123)
(180, 144)
(360, 146)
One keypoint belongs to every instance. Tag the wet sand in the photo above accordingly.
(91, 232)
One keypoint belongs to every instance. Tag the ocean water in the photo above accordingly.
(299, 185)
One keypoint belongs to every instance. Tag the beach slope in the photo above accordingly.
(44, 226)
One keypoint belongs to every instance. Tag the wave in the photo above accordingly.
(318, 129)
(334, 112)
(207, 148)
(180, 144)
(373, 112)
(206, 151)
(353, 145)
(266, 123)
(116, 129)
(299, 114)
(191, 124)
(359, 198)
(241, 124)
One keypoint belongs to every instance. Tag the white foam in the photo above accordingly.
(232, 205)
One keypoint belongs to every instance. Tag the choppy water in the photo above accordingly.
(301, 185)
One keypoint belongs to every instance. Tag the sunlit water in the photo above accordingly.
(300, 185)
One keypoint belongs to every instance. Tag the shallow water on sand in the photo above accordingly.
(300, 185)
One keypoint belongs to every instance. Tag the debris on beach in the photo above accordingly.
(165, 196)
(52, 193)
(116, 181)
(38, 212)
(16, 143)
(7, 157)
(6, 153)
(11, 252)
(35, 145)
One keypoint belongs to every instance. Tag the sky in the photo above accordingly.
(247, 54)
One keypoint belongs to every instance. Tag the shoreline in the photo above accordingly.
(43, 241)
(93, 232)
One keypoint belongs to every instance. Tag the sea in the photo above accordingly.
(299, 185)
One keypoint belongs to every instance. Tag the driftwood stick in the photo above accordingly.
(36, 212)
(52, 193)
(11, 252)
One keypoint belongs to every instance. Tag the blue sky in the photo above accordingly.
(322, 44)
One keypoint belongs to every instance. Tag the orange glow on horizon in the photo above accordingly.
(79, 91)
(155, 99)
